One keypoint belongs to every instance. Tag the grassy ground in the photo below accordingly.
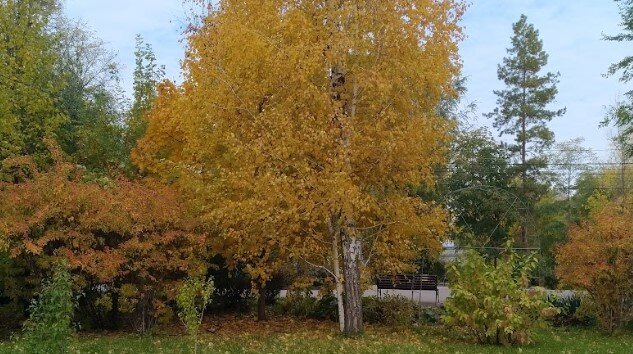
(304, 336)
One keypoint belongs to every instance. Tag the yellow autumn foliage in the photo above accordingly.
(293, 114)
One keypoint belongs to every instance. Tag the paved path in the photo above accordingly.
(425, 297)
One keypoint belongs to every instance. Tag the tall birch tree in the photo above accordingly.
(302, 129)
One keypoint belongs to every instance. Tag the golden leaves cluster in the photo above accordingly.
(111, 231)
(254, 134)
(598, 260)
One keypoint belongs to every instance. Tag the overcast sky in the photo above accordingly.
(571, 30)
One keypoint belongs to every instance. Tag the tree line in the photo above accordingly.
(324, 139)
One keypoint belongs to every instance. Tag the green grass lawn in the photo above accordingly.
(297, 336)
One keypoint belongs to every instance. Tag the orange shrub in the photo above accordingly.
(128, 243)
(598, 260)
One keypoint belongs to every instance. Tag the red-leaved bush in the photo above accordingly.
(128, 242)
(598, 261)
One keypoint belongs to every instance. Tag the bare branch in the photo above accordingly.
(315, 265)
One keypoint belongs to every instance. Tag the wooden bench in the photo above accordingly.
(413, 282)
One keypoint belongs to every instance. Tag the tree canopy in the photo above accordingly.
(28, 90)
(302, 126)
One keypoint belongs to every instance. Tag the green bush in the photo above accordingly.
(431, 314)
(396, 310)
(570, 311)
(306, 306)
(491, 302)
(192, 299)
(233, 288)
(298, 305)
(390, 310)
(48, 329)
(325, 308)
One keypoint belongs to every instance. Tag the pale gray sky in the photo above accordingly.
(117, 22)
(571, 30)
(572, 34)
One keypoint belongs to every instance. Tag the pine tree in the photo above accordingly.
(626, 64)
(523, 106)
(621, 115)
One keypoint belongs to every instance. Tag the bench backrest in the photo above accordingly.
(407, 282)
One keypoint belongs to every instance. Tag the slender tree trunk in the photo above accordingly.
(351, 244)
(524, 237)
(569, 186)
(114, 313)
(261, 302)
(335, 232)
(352, 257)
(622, 179)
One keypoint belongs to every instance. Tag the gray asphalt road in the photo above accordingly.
(426, 298)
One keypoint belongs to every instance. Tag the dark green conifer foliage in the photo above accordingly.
(523, 107)
(622, 114)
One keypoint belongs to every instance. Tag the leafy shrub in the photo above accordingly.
(295, 306)
(128, 243)
(397, 310)
(491, 303)
(11, 317)
(569, 311)
(232, 288)
(305, 306)
(48, 329)
(598, 260)
(325, 308)
(274, 286)
(12, 312)
(299, 305)
(431, 314)
(192, 299)
(390, 310)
